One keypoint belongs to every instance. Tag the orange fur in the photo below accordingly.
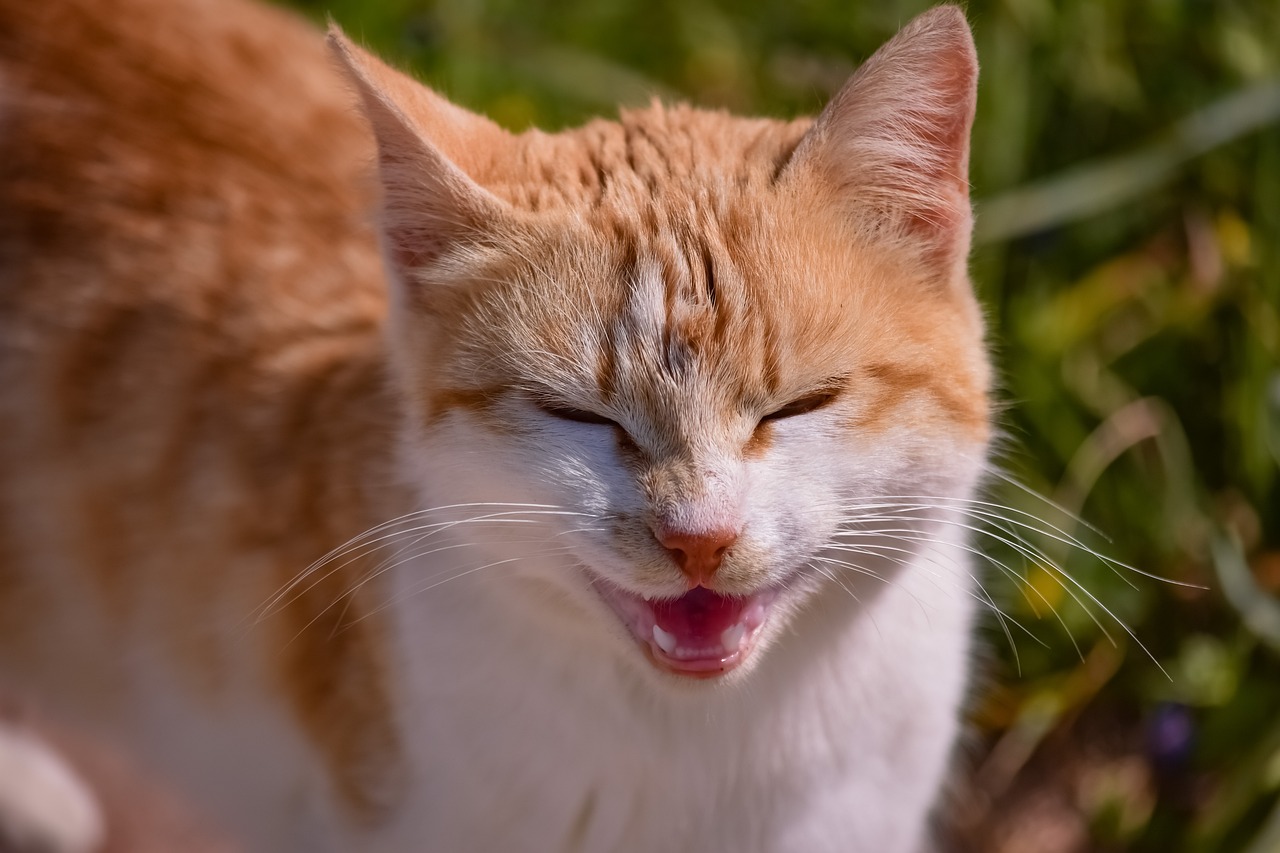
(190, 316)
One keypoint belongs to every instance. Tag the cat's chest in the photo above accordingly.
(521, 740)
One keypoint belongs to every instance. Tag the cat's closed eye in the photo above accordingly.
(569, 413)
(803, 405)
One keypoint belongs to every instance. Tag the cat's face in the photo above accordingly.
(666, 361)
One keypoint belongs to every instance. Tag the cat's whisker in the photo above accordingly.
(431, 551)
(418, 539)
(831, 576)
(1057, 571)
(1000, 518)
(866, 572)
(1024, 545)
(348, 595)
(1003, 620)
(395, 600)
(1020, 582)
(985, 598)
(362, 549)
(295, 587)
(398, 558)
(582, 530)
(1027, 550)
(436, 529)
(992, 510)
(1045, 499)
(417, 514)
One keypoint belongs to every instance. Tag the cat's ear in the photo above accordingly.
(894, 142)
(427, 150)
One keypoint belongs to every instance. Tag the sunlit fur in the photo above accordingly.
(204, 394)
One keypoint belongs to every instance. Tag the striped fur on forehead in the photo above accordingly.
(678, 268)
(650, 156)
(688, 315)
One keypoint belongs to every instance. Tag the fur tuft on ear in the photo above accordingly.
(428, 150)
(894, 142)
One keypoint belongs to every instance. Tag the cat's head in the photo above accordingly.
(661, 363)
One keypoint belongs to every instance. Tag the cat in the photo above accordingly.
(649, 441)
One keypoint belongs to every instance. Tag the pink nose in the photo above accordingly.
(697, 554)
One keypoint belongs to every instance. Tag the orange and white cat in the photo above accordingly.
(651, 441)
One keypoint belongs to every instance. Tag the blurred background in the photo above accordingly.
(1126, 167)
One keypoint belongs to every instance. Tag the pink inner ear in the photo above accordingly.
(948, 185)
(426, 145)
(948, 134)
(895, 139)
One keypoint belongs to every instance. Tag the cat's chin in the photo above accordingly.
(701, 634)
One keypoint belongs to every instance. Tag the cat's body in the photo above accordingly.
(680, 349)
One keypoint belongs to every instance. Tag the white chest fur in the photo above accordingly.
(525, 739)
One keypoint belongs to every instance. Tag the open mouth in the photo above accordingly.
(701, 634)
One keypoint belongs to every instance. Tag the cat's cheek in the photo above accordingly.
(791, 506)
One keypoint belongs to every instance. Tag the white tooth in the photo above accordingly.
(665, 641)
(732, 636)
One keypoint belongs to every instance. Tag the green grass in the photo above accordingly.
(1127, 169)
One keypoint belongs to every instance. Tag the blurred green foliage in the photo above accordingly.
(1126, 163)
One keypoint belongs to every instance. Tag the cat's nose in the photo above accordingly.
(697, 554)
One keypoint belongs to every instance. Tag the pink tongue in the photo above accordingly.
(699, 616)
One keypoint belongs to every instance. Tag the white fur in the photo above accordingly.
(525, 708)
